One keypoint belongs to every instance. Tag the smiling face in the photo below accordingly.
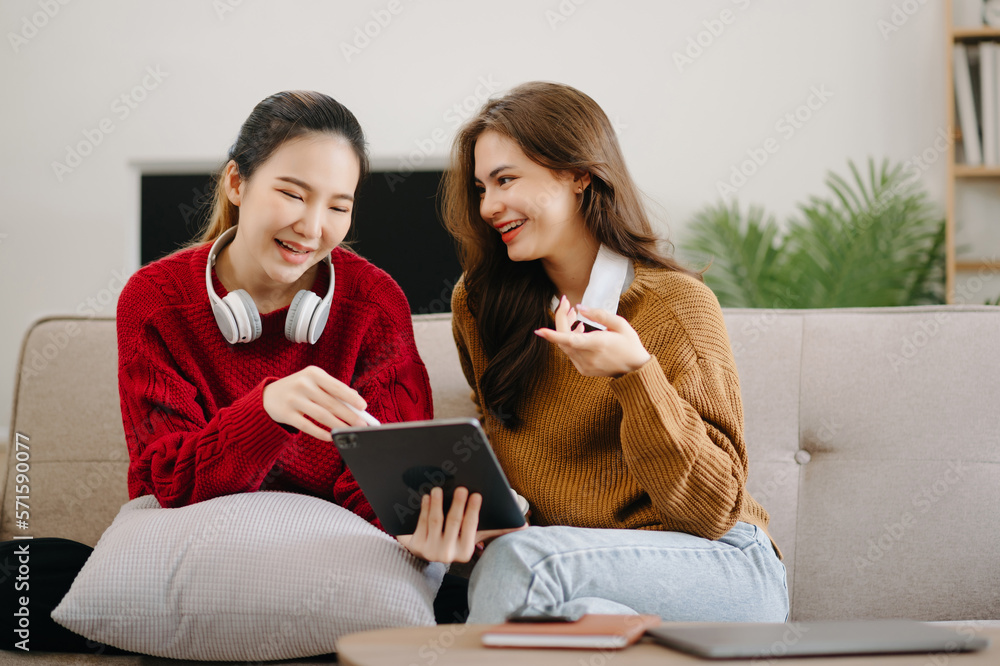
(535, 209)
(294, 210)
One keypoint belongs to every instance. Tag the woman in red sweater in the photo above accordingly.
(239, 354)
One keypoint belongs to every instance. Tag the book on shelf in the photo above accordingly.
(994, 116)
(977, 100)
(592, 631)
(966, 104)
(988, 102)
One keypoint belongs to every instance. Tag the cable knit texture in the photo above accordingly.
(192, 404)
(660, 448)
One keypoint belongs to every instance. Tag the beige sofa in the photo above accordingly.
(874, 442)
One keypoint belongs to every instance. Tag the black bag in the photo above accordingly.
(451, 605)
(39, 572)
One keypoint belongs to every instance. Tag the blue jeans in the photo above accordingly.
(678, 576)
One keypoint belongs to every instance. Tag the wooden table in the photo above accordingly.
(449, 644)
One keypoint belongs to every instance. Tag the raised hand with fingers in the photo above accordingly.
(611, 353)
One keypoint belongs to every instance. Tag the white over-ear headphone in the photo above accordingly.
(237, 315)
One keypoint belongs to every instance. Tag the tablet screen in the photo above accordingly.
(396, 464)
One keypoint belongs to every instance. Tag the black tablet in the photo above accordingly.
(397, 463)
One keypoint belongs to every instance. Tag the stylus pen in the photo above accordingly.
(365, 416)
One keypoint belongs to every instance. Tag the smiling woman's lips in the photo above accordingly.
(509, 236)
(291, 257)
(293, 245)
(503, 225)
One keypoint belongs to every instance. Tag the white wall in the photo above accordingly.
(70, 237)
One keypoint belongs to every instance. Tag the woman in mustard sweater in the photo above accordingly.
(606, 380)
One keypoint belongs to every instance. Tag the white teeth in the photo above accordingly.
(516, 223)
(289, 248)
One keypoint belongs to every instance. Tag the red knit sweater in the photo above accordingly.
(192, 403)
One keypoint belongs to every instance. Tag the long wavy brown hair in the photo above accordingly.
(561, 129)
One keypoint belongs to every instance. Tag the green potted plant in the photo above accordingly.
(875, 240)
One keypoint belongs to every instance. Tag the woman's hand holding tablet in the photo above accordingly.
(451, 538)
(435, 485)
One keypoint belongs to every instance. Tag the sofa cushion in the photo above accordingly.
(451, 392)
(253, 576)
(67, 414)
(767, 346)
(899, 501)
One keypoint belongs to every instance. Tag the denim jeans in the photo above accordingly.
(678, 576)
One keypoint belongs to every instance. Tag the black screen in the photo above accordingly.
(396, 227)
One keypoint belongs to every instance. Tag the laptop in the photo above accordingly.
(800, 639)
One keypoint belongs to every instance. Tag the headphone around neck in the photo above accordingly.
(237, 315)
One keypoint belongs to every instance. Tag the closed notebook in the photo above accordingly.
(592, 631)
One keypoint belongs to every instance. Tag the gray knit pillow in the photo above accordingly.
(254, 576)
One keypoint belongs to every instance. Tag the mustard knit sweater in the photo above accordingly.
(660, 448)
